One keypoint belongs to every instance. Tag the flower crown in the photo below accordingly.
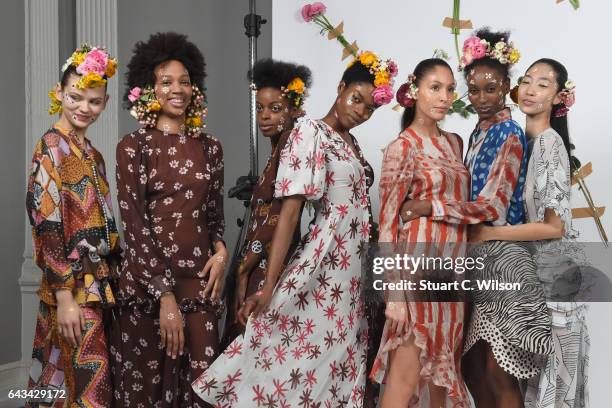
(93, 64)
(145, 108)
(475, 48)
(383, 72)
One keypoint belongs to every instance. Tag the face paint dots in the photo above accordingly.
(488, 75)
(349, 101)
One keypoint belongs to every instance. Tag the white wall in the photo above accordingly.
(409, 31)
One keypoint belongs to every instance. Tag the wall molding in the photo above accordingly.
(13, 376)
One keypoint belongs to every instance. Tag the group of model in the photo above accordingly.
(139, 327)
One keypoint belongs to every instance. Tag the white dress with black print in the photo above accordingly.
(563, 382)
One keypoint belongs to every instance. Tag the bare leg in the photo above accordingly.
(403, 376)
(437, 396)
(474, 365)
(504, 386)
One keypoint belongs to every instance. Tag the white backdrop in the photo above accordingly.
(409, 30)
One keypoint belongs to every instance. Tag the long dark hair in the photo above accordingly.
(420, 71)
(559, 124)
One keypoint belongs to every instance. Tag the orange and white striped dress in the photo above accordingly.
(426, 168)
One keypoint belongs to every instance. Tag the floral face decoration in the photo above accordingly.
(94, 65)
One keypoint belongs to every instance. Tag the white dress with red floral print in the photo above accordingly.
(308, 348)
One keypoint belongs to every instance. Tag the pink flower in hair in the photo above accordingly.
(310, 11)
(475, 47)
(392, 67)
(95, 62)
(134, 94)
(383, 95)
(568, 98)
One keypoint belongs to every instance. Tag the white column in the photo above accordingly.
(41, 73)
(96, 22)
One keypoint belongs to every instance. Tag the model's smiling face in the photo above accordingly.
(172, 88)
(81, 107)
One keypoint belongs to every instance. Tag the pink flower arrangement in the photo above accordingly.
(310, 11)
(134, 94)
(476, 47)
(383, 95)
(568, 98)
(392, 68)
(95, 62)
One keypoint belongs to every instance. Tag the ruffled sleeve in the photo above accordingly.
(552, 178)
(302, 165)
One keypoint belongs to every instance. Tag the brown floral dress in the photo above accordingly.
(265, 210)
(170, 192)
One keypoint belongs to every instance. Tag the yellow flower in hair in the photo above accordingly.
(111, 68)
(296, 85)
(194, 121)
(515, 56)
(78, 57)
(55, 105)
(91, 80)
(154, 106)
(368, 58)
(381, 78)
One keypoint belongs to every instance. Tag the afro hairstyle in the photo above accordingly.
(162, 47)
(269, 73)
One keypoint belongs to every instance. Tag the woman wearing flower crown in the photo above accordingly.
(75, 242)
(509, 332)
(545, 95)
(305, 338)
(421, 346)
(170, 192)
(281, 90)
